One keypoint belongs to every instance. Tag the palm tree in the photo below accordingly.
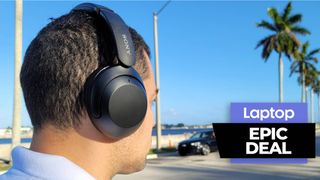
(283, 40)
(303, 63)
(317, 91)
(16, 123)
(310, 80)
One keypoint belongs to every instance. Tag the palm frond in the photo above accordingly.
(314, 59)
(264, 41)
(293, 68)
(294, 19)
(300, 30)
(273, 13)
(313, 52)
(296, 55)
(317, 87)
(267, 49)
(289, 44)
(265, 53)
(287, 11)
(267, 25)
(309, 65)
(305, 47)
(294, 40)
(312, 76)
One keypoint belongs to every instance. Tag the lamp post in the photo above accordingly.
(16, 122)
(156, 52)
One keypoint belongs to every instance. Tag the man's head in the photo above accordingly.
(56, 66)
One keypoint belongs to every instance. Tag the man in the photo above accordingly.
(66, 144)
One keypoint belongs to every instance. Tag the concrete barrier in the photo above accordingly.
(170, 141)
(5, 150)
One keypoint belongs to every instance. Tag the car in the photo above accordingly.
(202, 143)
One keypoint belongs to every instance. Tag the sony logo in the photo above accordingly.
(126, 44)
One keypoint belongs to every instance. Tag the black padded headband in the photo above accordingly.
(120, 32)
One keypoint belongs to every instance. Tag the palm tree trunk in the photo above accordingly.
(307, 101)
(303, 92)
(280, 78)
(318, 117)
(306, 93)
(311, 102)
(16, 124)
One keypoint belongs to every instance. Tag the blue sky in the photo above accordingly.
(207, 53)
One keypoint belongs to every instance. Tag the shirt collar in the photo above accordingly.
(46, 166)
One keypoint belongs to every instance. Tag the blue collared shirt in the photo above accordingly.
(29, 164)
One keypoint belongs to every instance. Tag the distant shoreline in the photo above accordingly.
(164, 132)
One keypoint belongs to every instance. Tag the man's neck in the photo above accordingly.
(90, 155)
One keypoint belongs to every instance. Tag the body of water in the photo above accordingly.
(154, 133)
(8, 140)
(178, 131)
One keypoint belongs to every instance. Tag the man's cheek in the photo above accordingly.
(149, 119)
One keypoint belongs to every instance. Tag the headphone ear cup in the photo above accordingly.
(124, 100)
(117, 101)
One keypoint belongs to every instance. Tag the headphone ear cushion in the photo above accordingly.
(89, 85)
(116, 101)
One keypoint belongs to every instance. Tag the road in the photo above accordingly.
(172, 167)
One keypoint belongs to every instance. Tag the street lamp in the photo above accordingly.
(156, 52)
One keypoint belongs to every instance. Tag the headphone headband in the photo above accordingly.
(120, 32)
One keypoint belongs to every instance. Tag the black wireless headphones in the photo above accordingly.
(115, 96)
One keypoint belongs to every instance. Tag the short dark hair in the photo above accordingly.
(57, 64)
